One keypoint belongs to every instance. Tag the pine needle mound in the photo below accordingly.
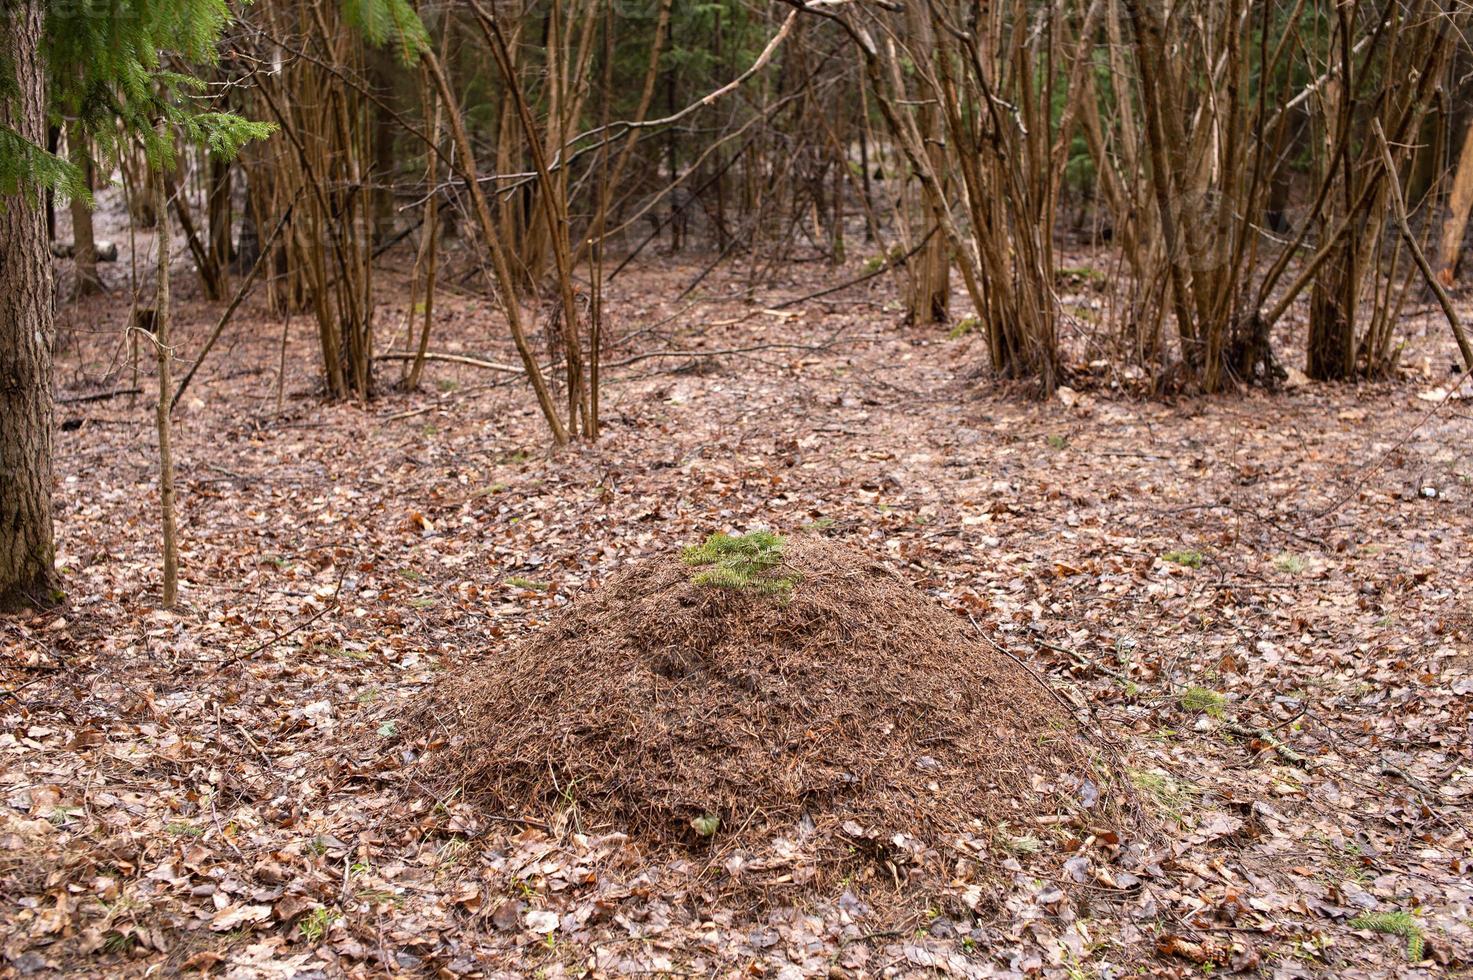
(726, 693)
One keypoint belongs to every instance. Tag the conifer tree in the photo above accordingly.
(26, 549)
(113, 70)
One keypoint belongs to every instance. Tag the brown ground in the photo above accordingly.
(182, 788)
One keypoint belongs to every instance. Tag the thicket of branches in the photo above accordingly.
(1230, 162)
(1246, 179)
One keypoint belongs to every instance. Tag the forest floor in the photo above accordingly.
(1262, 601)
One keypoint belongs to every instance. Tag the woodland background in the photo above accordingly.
(1132, 331)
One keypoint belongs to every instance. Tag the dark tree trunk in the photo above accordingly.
(382, 74)
(53, 145)
(1330, 352)
(221, 213)
(928, 283)
(26, 547)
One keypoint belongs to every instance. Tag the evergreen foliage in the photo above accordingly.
(1203, 699)
(747, 562)
(24, 166)
(1395, 924)
(107, 63)
(113, 67)
(389, 21)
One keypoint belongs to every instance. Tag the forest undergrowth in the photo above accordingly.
(1256, 600)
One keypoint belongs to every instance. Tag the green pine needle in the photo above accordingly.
(1203, 699)
(747, 562)
(107, 76)
(1395, 924)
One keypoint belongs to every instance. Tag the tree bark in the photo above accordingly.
(1459, 205)
(27, 549)
(165, 355)
(222, 216)
(928, 283)
(1330, 351)
(84, 245)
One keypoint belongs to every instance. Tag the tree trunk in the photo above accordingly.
(1458, 207)
(928, 283)
(84, 245)
(212, 276)
(221, 215)
(1330, 353)
(164, 353)
(26, 546)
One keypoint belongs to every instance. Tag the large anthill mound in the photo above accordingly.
(740, 685)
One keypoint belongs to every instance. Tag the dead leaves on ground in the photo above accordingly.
(214, 790)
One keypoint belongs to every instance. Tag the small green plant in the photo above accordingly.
(454, 850)
(388, 729)
(1172, 795)
(1291, 563)
(963, 327)
(1203, 699)
(706, 824)
(61, 814)
(1079, 274)
(316, 924)
(527, 583)
(747, 562)
(1395, 924)
(1186, 557)
(1351, 862)
(1057, 441)
(378, 896)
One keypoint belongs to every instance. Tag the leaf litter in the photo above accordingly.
(167, 772)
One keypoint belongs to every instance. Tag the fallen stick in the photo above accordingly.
(100, 396)
(1272, 744)
(886, 266)
(451, 359)
(697, 353)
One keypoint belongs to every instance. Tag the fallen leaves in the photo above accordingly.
(166, 788)
(541, 922)
(235, 916)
